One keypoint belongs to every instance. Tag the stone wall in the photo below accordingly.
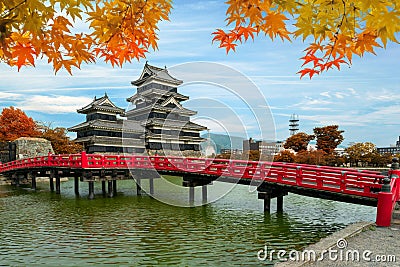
(4, 152)
(28, 147)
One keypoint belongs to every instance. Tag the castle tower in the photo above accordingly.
(158, 107)
(104, 132)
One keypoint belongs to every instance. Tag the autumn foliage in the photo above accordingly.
(14, 123)
(298, 142)
(118, 31)
(121, 30)
(60, 141)
(328, 138)
(337, 29)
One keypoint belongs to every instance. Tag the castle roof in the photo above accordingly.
(126, 126)
(155, 73)
(102, 104)
(173, 124)
(157, 93)
(157, 107)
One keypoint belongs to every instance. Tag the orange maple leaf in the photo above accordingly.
(246, 32)
(308, 71)
(311, 58)
(336, 62)
(22, 55)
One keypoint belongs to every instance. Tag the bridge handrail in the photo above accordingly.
(395, 188)
(313, 176)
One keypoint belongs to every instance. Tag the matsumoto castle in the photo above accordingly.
(158, 123)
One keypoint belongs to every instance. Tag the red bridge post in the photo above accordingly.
(385, 197)
(84, 160)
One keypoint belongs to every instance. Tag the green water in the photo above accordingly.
(42, 228)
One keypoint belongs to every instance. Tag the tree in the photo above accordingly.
(328, 138)
(298, 141)
(382, 160)
(14, 123)
(365, 153)
(252, 155)
(314, 157)
(119, 31)
(60, 141)
(285, 156)
(337, 29)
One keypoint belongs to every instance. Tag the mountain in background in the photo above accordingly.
(223, 141)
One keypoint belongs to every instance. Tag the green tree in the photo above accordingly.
(328, 138)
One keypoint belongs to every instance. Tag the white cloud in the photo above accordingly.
(9, 96)
(54, 104)
(325, 94)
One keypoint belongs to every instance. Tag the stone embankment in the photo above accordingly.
(358, 245)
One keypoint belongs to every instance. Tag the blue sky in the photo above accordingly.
(363, 99)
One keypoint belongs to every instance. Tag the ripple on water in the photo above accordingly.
(48, 229)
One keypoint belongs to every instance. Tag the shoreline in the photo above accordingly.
(4, 181)
(360, 237)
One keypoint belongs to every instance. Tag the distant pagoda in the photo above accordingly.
(158, 108)
(104, 132)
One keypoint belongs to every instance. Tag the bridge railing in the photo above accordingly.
(349, 181)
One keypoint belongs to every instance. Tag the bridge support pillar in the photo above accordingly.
(193, 180)
(103, 188)
(267, 193)
(204, 194)
(51, 182)
(191, 196)
(279, 204)
(151, 185)
(91, 189)
(114, 182)
(267, 204)
(138, 186)
(110, 189)
(17, 181)
(58, 184)
(33, 177)
(76, 185)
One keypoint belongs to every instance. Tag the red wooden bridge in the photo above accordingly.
(273, 179)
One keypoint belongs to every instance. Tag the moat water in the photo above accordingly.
(42, 228)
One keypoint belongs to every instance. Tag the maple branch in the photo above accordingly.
(344, 15)
(13, 8)
(119, 27)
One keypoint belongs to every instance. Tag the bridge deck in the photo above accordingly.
(343, 181)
